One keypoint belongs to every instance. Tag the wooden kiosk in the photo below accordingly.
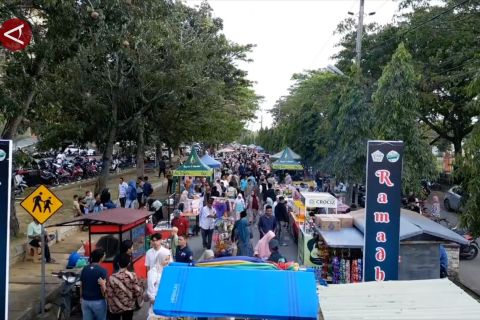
(107, 229)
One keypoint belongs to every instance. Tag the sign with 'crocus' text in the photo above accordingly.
(382, 220)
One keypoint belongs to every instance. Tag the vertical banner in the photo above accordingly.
(5, 191)
(382, 210)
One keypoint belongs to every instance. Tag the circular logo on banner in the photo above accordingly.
(393, 156)
(3, 155)
(15, 34)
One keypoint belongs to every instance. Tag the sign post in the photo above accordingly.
(42, 204)
(382, 227)
(5, 194)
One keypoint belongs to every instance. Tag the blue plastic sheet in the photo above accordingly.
(192, 292)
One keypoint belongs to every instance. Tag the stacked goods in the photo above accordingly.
(334, 221)
(325, 222)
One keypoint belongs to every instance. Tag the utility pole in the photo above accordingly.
(359, 32)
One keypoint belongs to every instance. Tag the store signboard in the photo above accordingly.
(382, 227)
(5, 192)
(319, 200)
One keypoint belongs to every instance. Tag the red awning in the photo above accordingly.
(118, 216)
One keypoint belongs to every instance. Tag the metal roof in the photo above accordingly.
(119, 216)
(344, 238)
(437, 299)
(413, 224)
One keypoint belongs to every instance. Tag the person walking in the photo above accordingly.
(239, 206)
(131, 195)
(93, 287)
(183, 252)
(207, 223)
(122, 192)
(267, 222)
(156, 249)
(181, 223)
(161, 168)
(154, 276)
(123, 290)
(169, 176)
(242, 235)
(147, 189)
(262, 249)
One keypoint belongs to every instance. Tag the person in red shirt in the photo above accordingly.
(181, 223)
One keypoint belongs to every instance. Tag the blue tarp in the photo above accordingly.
(187, 292)
(209, 161)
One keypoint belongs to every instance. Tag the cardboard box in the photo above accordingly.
(331, 224)
(346, 220)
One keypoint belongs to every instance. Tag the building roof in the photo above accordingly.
(343, 238)
(418, 299)
(118, 216)
(413, 224)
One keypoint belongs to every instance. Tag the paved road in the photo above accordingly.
(469, 270)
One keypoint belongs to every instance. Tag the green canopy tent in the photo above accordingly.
(193, 167)
(292, 153)
(287, 162)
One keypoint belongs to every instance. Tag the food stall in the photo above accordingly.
(193, 167)
(107, 229)
(286, 162)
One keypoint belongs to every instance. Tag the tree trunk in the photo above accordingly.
(158, 152)
(9, 132)
(457, 146)
(108, 152)
(141, 148)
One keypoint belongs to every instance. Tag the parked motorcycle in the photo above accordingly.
(470, 250)
(20, 184)
(68, 301)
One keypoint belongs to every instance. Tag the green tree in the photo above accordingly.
(53, 24)
(397, 118)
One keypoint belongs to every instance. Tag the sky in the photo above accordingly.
(291, 36)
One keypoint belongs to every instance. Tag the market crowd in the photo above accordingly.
(241, 197)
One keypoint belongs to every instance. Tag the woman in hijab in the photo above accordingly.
(153, 279)
(242, 234)
(239, 206)
(262, 249)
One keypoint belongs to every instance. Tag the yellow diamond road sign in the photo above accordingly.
(41, 204)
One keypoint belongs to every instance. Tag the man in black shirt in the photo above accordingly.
(183, 254)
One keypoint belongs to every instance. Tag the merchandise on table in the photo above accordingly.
(222, 238)
(341, 265)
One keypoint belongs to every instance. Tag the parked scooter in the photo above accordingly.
(68, 301)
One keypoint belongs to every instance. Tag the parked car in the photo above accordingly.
(453, 199)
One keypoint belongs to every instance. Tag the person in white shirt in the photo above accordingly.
(207, 224)
(154, 276)
(155, 250)
(34, 234)
(122, 192)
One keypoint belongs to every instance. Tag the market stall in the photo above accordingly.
(287, 162)
(209, 161)
(193, 167)
(278, 155)
(333, 245)
(107, 229)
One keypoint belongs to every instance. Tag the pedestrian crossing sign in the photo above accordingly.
(42, 204)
